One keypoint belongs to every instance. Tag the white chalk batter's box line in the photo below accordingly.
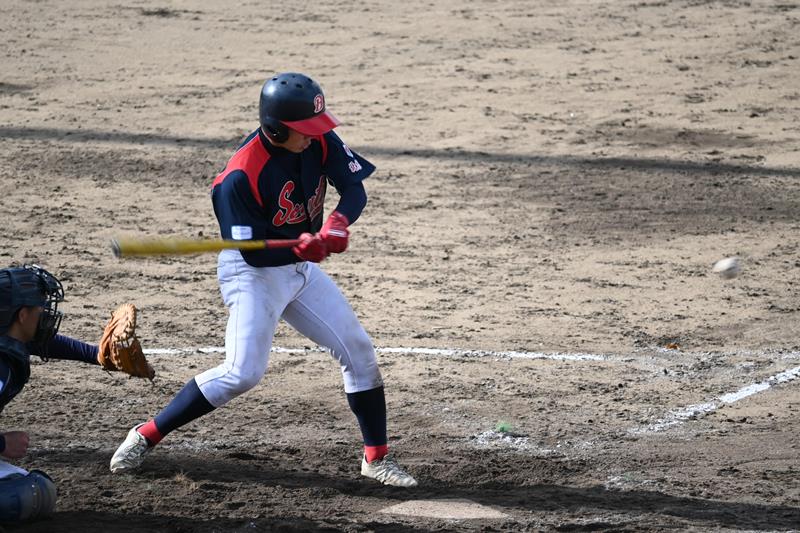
(691, 412)
(417, 351)
(446, 352)
(672, 419)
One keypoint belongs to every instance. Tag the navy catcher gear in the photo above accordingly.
(293, 100)
(31, 286)
(26, 497)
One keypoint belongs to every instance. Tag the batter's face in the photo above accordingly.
(297, 142)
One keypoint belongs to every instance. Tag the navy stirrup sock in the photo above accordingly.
(186, 406)
(370, 410)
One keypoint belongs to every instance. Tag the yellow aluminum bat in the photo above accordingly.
(179, 246)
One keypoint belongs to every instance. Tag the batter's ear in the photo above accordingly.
(275, 131)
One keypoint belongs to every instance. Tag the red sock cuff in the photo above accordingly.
(375, 453)
(150, 432)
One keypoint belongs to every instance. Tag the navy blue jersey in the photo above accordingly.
(267, 192)
(15, 361)
(15, 368)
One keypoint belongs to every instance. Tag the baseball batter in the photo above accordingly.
(274, 186)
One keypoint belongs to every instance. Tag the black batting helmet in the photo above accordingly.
(293, 100)
(31, 286)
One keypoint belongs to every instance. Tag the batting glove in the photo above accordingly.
(312, 248)
(335, 233)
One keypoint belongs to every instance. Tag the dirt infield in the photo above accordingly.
(554, 179)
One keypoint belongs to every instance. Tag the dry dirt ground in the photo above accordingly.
(555, 178)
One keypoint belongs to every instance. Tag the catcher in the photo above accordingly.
(29, 321)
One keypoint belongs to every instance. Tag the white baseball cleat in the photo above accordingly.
(130, 454)
(388, 472)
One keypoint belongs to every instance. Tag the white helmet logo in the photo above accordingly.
(319, 103)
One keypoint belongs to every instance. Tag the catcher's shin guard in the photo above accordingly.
(26, 497)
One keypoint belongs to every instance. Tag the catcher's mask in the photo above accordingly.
(31, 286)
(293, 100)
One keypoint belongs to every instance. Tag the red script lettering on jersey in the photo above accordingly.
(292, 213)
(315, 202)
(289, 212)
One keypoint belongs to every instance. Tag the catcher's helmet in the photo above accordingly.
(293, 100)
(31, 286)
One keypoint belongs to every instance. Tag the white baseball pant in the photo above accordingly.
(304, 296)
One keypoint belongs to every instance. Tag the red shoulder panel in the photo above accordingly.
(250, 159)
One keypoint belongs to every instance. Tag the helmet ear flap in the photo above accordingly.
(277, 131)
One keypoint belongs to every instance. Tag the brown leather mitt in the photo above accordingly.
(119, 348)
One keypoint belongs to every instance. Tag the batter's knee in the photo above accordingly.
(223, 383)
(244, 382)
(26, 497)
(358, 342)
(230, 385)
(359, 364)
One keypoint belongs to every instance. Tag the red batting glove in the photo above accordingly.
(312, 248)
(335, 233)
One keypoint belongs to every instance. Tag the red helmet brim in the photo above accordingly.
(316, 125)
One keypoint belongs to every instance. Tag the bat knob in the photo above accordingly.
(115, 248)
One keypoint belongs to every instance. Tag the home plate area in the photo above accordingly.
(444, 510)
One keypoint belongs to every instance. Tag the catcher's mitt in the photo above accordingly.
(119, 346)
